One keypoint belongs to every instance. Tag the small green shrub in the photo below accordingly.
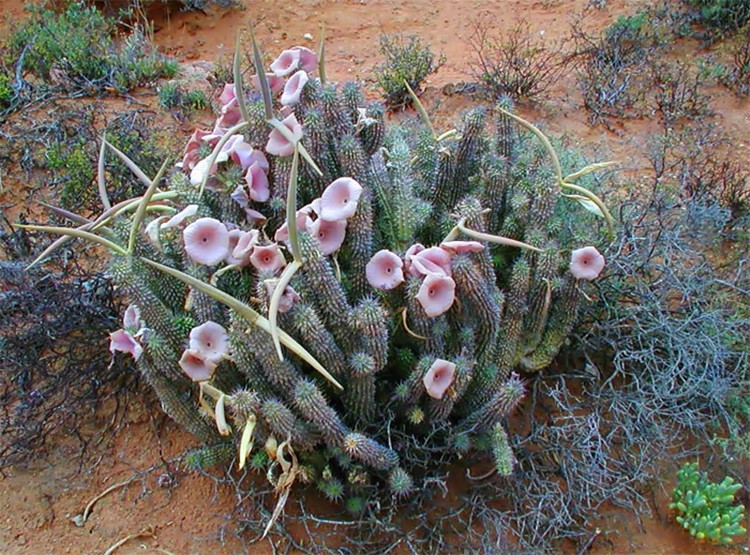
(706, 509)
(76, 49)
(172, 96)
(721, 17)
(408, 59)
(6, 91)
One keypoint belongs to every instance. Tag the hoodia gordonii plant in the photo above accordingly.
(350, 304)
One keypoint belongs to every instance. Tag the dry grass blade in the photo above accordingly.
(100, 176)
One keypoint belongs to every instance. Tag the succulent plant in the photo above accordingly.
(339, 291)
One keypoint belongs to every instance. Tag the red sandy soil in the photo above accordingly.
(37, 501)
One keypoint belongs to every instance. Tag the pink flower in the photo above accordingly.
(228, 94)
(411, 252)
(206, 241)
(257, 183)
(586, 263)
(308, 60)
(230, 116)
(123, 341)
(267, 258)
(384, 270)
(244, 247)
(240, 152)
(276, 84)
(439, 378)
(287, 62)
(339, 200)
(288, 297)
(131, 320)
(330, 235)
(195, 364)
(234, 238)
(431, 261)
(210, 339)
(199, 171)
(303, 224)
(436, 294)
(192, 155)
(460, 247)
(188, 212)
(278, 145)
(293, 88)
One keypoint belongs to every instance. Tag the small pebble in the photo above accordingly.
(307, 36)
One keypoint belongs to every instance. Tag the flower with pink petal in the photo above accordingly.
(210, 339)
(267, 258)
(339, 199)
(586, 263)
(436, 294)
(257, 183)
(236, 149)
(330, 235)
(123, 341)
(131, 320)
(308, 60)
(293, 88)
(287, 62)
(228, 94)
(206, 241)
(439, 378)
(257, 157)
(432, 261)
(384, 270)
(411, 252)
(230, 116)
(196, 365)
(191, 155)
(188, 212)
(461, 247)
(243, 250)
(279, 145)
(234, 237)
(303, 224)
(288, 297)
(276, 84)
(199, 171)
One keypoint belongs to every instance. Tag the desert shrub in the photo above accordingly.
(706, 509)
(56, 370)
(408, 59)
(679, 92)
(172, 96)
(76, 49)
(720, 17)
(515, 63)
(737, 75)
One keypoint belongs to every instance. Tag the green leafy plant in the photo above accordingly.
(706, 509)
(407, 59)
(720, 17)
(173, 96)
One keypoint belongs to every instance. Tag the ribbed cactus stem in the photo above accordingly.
(203, 307)
(311, 330)
(359, 238)
(370, 452)
(371, 322)
(441, 409)
(352, 99)
(507, 398)
(481, 306)
(471, 209)
(468, 153)
(174, 399)
(411, 390)
(283, 423)
(545, 271)
(280, 373)
(205, 458)
(372, 131)
(426, 156)
(515, 310)
(400, 483)
(431, 328)
(313, 406)
(334, 112)
(562, 318)
(506, 135)
(442, 193)
(502, 452)
(359, 395)
(316, 142)
(327, 292)
(245, 359)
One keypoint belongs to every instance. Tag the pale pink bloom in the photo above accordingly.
(330, 235)
(293, 88)
(287, 62)
(339, 199)
(384, 270)
(199, 171)
(210, 339)
(257, 183)
(255, 217)
(257, 157)
(230, 116)
(192, 155)
(131, 320)
(206, 241)
(308, 60)
(236, 149)
(461, 247)
(239, 195)
(188, 212)
(123, 341)
(234, 237)
(196, 365)
(431, 261)
(313, 207)
(586, 263)
(288, 297)
(278, 145)
(152, 231)
(244, 247)
(439, 378)
(303, 224)
(276, 84)
(267, 258)
(411, 252)
(228, 94)
(436, 294)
